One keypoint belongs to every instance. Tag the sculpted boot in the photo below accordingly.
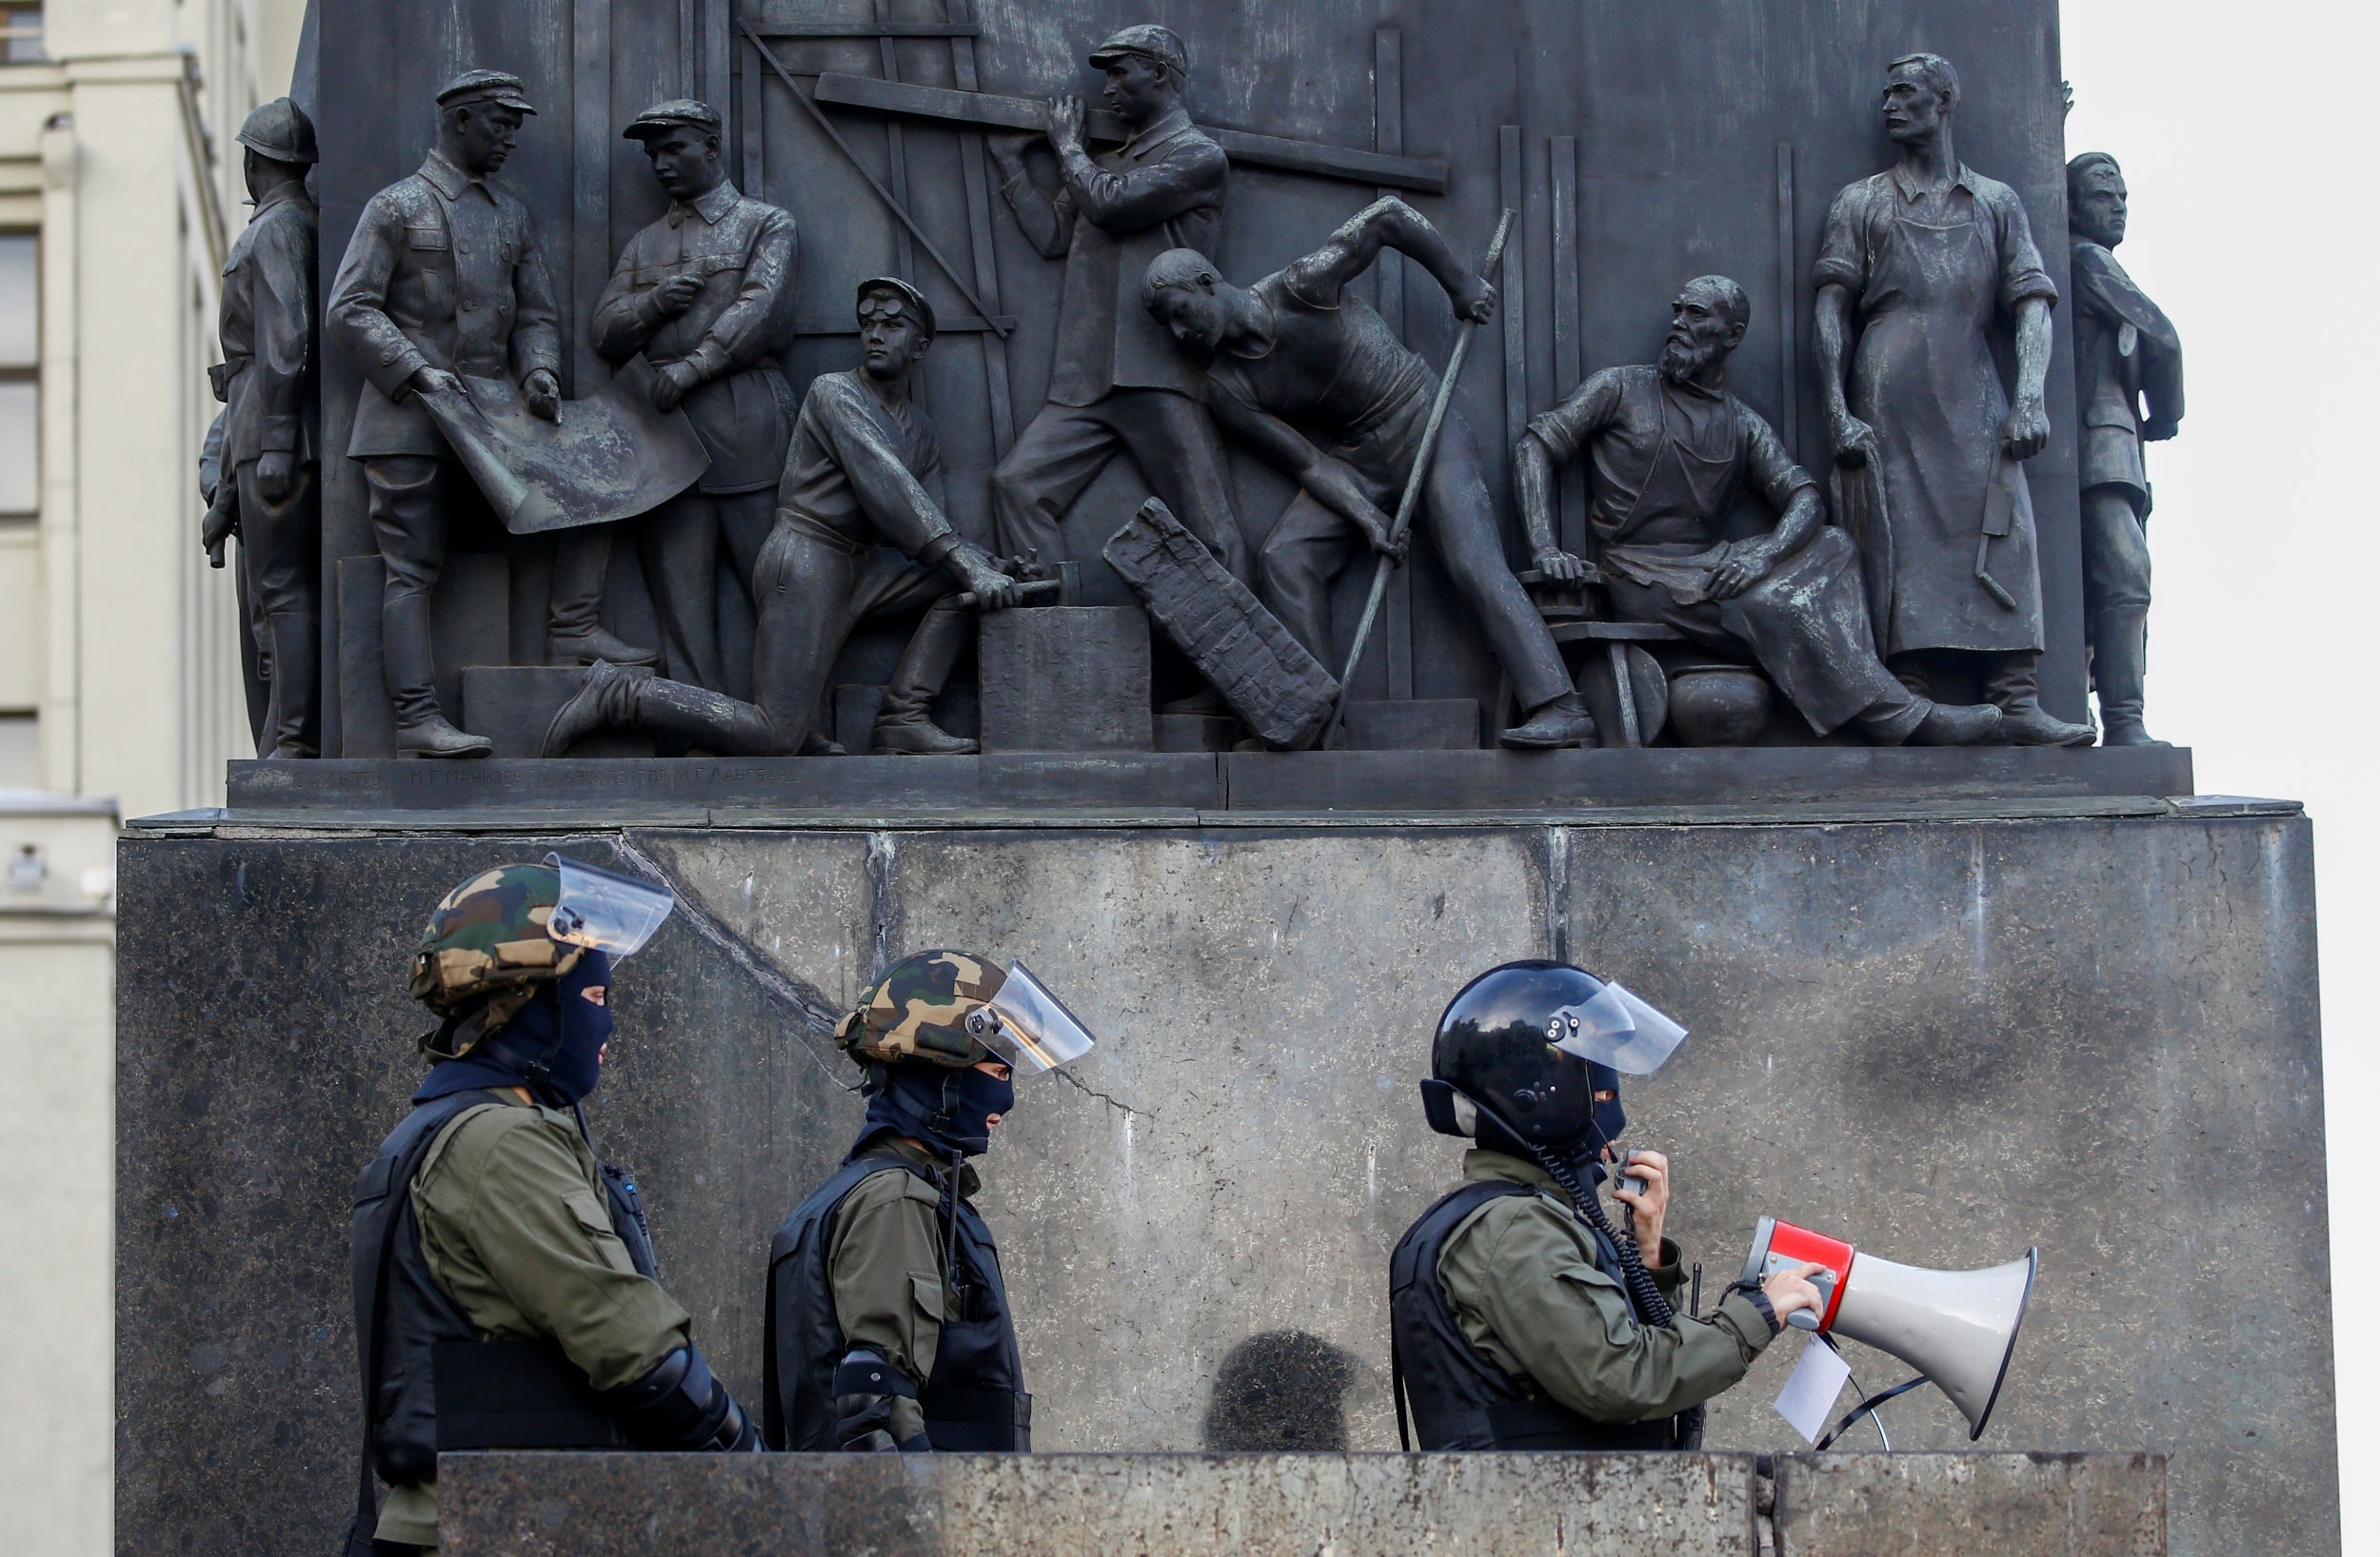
(572, 635)
(2119, 663)
(1563, 722)
(2013, 686)
(907, 726)
(423, 729)
(296, 641)
(1959, 724)
(606, 701)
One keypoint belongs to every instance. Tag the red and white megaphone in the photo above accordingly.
(1958, 1328)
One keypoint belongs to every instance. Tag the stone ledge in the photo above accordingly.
(1401, 783)
(1294, 1505)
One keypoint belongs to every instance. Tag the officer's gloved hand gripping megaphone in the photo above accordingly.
(1956, 1328)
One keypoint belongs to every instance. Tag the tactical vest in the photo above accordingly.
(429, 1381)
(974, 1402)
(1461, 1400)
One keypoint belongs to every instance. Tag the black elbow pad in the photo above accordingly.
(679, 1406)
(866, 1388)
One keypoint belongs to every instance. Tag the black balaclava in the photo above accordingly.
(553, 1045)
(946, 1107)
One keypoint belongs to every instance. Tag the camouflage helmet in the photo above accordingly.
(918, 1011)
(490, 934)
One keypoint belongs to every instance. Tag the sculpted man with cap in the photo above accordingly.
(1116, 383)
(1918, 264)
(503, 1277)
(707, 294)
(271, 425)
(860, 535)
(444, 277)
(1671, 451)
(1314, 382)
(2125, 349)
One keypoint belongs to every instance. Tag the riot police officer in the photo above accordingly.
(889, 1325)
(505, 1295)
(1522, 1318)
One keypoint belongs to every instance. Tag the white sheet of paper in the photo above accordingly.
(1808, 1394)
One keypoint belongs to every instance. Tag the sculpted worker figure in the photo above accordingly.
(1916, 262)
(888, 1326)
(2124, 349)
(444, 277)
(271, 425)
(504, 1292)
(1671, 451)
(1521, 1317)
(860, 534)
(1116, 383)
(1314, 380)
(706, 293)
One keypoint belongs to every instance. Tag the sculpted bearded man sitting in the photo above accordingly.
(1670, 451)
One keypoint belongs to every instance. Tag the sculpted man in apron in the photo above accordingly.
(1917, 262)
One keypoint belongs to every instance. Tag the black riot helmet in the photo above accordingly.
(1525, 1047)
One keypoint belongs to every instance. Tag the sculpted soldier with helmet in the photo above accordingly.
(1522, 1319)
(888, 1323)
(505, 1294)
(270, 486)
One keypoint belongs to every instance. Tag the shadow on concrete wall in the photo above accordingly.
(1281, 1391)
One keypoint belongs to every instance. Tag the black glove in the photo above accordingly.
(866, 1388)
(679, 1405)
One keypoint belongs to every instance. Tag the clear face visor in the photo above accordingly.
(1614, 1028)
(1027, 1026)
(601, 908)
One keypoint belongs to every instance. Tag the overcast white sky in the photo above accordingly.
(2241, 132)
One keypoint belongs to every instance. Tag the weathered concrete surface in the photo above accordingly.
(1101, 1506)
(1944, 1040)
(2044, 1505)
(1297, 1504)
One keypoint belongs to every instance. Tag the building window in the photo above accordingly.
(22, 27)
(20, 389)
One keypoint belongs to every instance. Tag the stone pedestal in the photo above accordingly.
(1944, 1031)
(1297, 1504)
(1066, 678)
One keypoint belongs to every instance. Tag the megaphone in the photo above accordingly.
(1958, 1328)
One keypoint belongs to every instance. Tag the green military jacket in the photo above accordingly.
(509, 1199)
(885, 1260)
(1521, 1277)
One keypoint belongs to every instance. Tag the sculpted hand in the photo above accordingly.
(1750, 563)
(671, 383)
(1652, 1207)
(673, 295)
(993, 590)
(2158, 428)
(1335, 487)
(1475, 300)
(1790, 1291)
(1556, 566)
(543, 393)
(2026, 430)
(1065, 120)
(276, 473)
(434, 380)
(1854, 440)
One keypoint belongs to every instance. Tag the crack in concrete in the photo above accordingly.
(1081, 1086)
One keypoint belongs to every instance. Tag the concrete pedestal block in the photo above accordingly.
(1066, 678)
(1433, 724)
(512, 704)
(1297, 1504)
